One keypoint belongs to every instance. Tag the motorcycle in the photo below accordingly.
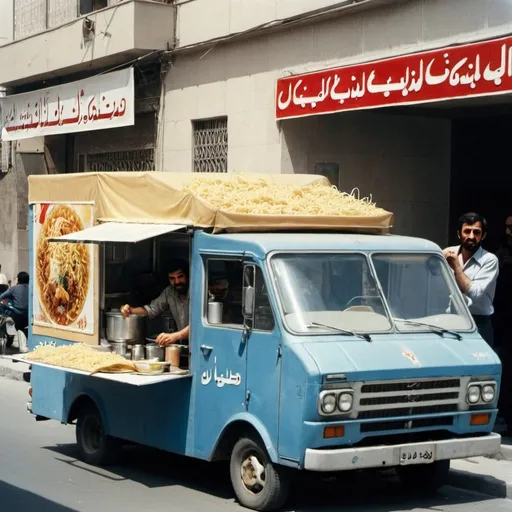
(9, 331)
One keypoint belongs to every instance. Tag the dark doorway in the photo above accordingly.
(481, 178)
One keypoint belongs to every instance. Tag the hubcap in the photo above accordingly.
(253, 474)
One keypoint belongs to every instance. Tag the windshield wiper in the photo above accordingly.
(346, 332)
(434, 328)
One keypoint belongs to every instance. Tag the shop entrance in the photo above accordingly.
(481, 172)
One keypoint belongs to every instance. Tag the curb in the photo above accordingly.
(484, 484)
(11, 370)
(11, 373)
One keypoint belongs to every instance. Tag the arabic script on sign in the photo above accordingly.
(220, 379)
(100, 102)
(480, 68)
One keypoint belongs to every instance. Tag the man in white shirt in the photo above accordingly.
(476, 271)
(4, 284)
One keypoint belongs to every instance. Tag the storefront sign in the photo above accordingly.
(63, 273)
(478, 69)
(104, 101)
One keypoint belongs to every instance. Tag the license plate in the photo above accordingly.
(423, 454)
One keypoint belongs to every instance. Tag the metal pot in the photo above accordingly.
(137, 352)
(120, 347)
(215, 312)
(153, 350)
(130, 329)
(162, 323)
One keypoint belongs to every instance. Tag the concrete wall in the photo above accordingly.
(402, 22)
(8, 225)
(6, 21)
(14, 213)
(403, 162)
(238, 78)
(200, 20)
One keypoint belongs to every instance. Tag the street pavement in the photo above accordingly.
(39, 472)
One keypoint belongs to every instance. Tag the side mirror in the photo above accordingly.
(248, 301)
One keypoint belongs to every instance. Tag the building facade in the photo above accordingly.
(207, 74)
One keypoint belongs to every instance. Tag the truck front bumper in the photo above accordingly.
(387, 456)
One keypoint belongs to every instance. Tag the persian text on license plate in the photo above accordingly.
(423, 454)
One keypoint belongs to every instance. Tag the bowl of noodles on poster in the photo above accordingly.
(63, 271)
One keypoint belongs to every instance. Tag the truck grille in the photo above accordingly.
(388, 413)
(379, 426)
(407, 398)
(418, 385)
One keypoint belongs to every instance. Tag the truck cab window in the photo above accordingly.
(224, 292)
(263, 315)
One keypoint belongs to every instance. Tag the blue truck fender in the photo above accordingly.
(87, 396)
(236, 427)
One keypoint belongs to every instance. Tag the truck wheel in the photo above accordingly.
(424, 477)
(258, 484)
(95, 447)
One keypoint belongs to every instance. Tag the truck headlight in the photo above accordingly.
(328, 403)
(345, 401)
(473, 395)
(488, 393)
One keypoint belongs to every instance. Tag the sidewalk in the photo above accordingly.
(10, 369)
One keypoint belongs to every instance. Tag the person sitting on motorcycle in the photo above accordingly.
(14, 302)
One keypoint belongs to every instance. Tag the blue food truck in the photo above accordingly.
(344, 349)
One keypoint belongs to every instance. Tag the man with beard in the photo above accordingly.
(175, 298)
(476, 271)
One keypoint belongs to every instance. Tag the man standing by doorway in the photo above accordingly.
(476, 271)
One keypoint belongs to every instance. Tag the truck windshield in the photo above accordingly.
(320, 293)
(418, 288)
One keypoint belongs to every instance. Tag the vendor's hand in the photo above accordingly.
(164, 339)
(451, 257)
(126, 310)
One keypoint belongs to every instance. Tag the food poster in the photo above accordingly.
(64, 275)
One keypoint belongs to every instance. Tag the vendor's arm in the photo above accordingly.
(128, 310)
(152, 310)
(166, 339)
(484, 279)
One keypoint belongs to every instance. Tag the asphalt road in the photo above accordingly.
(39, 472)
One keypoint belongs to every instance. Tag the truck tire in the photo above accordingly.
(424, 477)
(258, 483)
(95, 447)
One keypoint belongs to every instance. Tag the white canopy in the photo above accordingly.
(118, 232)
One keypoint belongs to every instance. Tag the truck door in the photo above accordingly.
(220, 350)
(263, 355)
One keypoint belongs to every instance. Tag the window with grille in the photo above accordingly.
(211, 145)
(29, 17)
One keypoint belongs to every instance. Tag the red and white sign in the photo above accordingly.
(478, 69)
(104, 101)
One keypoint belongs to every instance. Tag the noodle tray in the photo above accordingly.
(228, 202)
